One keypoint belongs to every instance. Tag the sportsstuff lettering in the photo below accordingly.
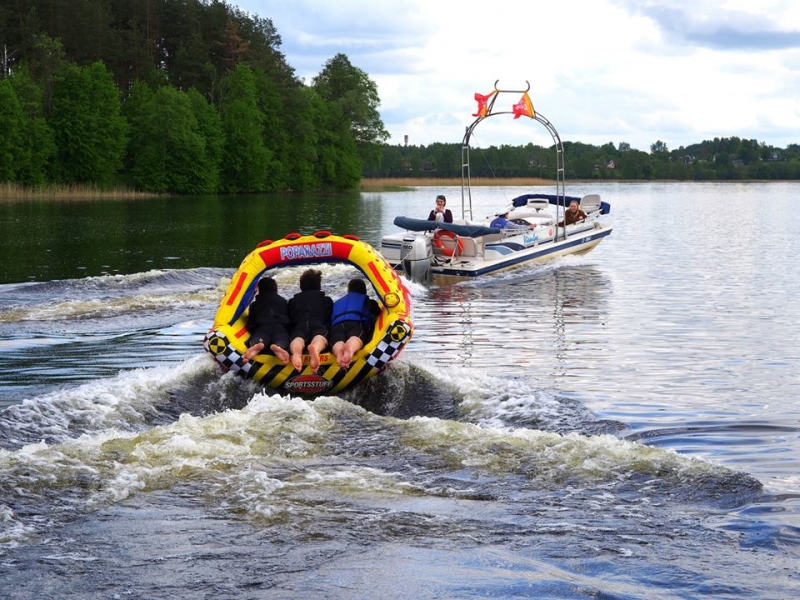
(308, 384)
(319, 250)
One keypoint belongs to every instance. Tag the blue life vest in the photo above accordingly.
(351, 307)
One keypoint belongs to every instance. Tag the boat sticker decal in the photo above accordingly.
(216, 345)
(388, 348)
(307, 384)
(391, 299)
(226, 354)
(398, 332)
(235, 293)
(318, 250)
(378, 277)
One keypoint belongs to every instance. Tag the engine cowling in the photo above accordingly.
(417, 257)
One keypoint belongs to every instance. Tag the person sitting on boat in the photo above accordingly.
(501, 222)
(573, 214)
(352, 321)
(440, 213)
(310, 312)
(267, 322)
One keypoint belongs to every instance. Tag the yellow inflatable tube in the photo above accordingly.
(226, 341)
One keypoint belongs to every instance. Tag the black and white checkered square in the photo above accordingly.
(218, 346)
(388, 347)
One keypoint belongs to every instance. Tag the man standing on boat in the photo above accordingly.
(440, 213)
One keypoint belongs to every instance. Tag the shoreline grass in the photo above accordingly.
(399, 184)
(12, 191)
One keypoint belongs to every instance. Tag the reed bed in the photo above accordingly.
(14, 192)
(390, 184)
(11, 191)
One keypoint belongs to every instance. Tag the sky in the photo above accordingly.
(633, 71)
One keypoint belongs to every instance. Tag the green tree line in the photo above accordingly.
(195, 96)
(180, 96)
(718, 159)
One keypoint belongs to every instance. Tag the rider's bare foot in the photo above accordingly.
(297, 361)
(346, 358)
(314, 355)
(252, 351)
(336, 350)
(282, 354)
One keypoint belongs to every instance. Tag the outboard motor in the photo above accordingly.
(417, 257)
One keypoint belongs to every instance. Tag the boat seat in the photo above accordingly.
(470, 247)
(538, 204)
(494, 237)
(543, 219)
(590, 203)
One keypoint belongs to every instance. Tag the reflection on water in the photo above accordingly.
(621, 424)
(527, 322)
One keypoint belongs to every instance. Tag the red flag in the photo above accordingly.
(523, 108)
(483, 103)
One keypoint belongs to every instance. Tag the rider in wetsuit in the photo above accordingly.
(309, 311)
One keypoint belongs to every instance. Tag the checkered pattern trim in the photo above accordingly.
(396, 337)
(217, 345)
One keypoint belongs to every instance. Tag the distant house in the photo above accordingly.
(608, 164)
(738, 163)
(775, 156)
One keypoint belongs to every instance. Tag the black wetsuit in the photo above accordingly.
(310, 312)
(268, 321)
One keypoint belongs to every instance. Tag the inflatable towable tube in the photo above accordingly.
(226, 341)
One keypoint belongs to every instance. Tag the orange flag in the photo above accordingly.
(523, 108)
(483, 103)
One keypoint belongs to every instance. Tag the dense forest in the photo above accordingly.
(195, 96)
(183, 96)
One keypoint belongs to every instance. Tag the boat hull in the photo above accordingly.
(454, 269)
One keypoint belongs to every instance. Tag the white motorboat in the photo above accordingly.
(444, 253)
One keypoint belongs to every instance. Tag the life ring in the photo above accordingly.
(226, 340)
(447, 249)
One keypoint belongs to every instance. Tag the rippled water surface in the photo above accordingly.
(622, 424)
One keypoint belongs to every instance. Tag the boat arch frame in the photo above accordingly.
(489, 111)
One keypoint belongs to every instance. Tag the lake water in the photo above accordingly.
(619, 425)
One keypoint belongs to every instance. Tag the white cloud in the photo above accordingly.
(601, 71)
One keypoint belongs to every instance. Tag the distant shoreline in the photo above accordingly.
(395, 184)
(15, 192)
(12, 191)
(403, 183)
